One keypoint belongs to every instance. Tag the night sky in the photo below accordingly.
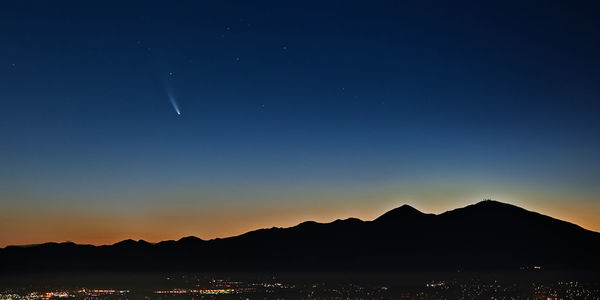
(290, 111)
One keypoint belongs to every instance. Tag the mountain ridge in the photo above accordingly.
(485, 235)
(402, 210)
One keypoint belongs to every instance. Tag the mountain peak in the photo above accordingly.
(131, 243)
(402, 212)
(487, 209)
(489, 204)
(190, 239)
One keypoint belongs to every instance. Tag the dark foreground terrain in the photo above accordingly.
(524, 284)
(487, 236)
(489, 250)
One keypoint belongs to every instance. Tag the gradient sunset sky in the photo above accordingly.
(290, 111)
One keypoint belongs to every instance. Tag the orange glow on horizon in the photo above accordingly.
(102, 229)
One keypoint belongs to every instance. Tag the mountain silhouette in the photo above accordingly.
(489, 235)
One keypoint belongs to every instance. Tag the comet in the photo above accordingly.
(174, 103)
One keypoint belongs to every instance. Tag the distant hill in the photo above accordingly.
(489, 235)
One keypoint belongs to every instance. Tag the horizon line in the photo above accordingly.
(488, 200)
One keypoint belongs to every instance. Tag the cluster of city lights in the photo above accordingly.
(198, 291)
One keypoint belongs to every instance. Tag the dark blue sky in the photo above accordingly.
(304, 106)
